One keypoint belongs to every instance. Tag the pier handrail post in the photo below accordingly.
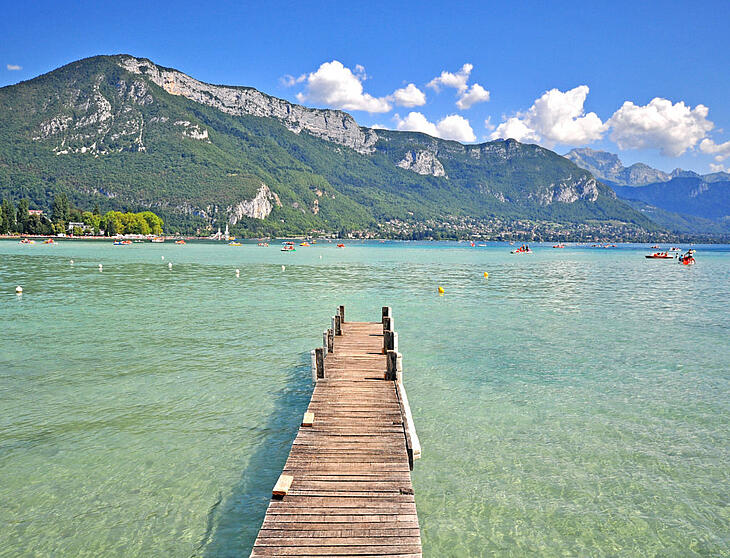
(325, 343)
(330, 341)
(342, 313)
(388, 324)
(319, 362)
(387, 312)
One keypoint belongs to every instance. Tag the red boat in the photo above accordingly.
(660, 256)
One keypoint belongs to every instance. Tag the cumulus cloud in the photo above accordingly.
(409, 96)
(672, 128)
(453, 127)
(721, 151)
(718, 168)
(456, 80)
(335, 85)
(557, 117)
(475, 94)
(13, 67)
(468, 96)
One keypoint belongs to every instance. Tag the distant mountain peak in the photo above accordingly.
(608, 167)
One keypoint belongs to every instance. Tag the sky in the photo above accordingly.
(649, 80)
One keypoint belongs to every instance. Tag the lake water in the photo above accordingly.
(575, 403)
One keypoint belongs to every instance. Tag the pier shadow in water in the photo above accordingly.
(234, 521)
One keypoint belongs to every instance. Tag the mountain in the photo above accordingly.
(608, 167)
(128, 134)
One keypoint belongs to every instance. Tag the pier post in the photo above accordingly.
(388, 324)
(330, 341)
(314, 366)
(394, 371)
(342, 313)
(338, 324)
(319, 362)
(387, 312)
(325, 343)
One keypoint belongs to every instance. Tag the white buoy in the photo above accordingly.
(163, 257)
(72, 262)
(169, 266)
(19, 290)
(238, 273)
(100, 267)
(320, 256)
(283, 267)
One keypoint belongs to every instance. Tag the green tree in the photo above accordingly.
(155, 223)
(8, 216)
(22, 216)
(97, 211)
(61, 209)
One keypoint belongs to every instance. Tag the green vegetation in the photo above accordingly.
(21, 221)
(55, 145)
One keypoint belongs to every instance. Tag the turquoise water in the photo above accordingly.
(575, 403)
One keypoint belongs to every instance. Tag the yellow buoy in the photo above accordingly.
(19, 290)
(441, 290)
(486, 274)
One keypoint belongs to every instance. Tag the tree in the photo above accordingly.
(21, 221)
(61, 209)
(8, 216)
(97, 211)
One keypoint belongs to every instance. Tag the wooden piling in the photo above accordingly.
(319, 356)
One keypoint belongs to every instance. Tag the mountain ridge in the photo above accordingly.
(126, 133)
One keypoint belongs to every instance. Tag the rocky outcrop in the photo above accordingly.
(257, 208)
(569, 191)
(422, 162)
(331, 125)
(607, 166)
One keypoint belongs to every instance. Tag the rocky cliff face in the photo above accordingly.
(331, 125)
(422, 162)
(257, 208)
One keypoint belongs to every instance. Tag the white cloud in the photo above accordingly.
(409, 96)
(488, 124)
(557, 117)
(476, 94)
(13, 67)
(721, 151)
(456, 80)
(515, 128)
(335, 85)
(290, 81)
(718, 168)
(672, 128)
(453, 127)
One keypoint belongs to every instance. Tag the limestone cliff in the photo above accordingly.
(331, 125)
(422, 162)
(257, 208)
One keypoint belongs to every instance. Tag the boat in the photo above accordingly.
(675, 249)
(656, 247)
(180, 241)
(122, 242)
(49, 241)
(158, 239)
(235, 244)
(687, 259)
(263, 244)
(660, 256)
(27, 241)
(561, 245)
(340, 245)
(524, 249)
(288, 248)
(305, 243)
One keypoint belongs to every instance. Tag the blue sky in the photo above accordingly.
(649, 81)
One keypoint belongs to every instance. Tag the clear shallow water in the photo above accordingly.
(576, 403)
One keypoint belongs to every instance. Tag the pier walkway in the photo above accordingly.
(346, 487)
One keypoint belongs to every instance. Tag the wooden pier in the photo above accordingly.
(346, 487)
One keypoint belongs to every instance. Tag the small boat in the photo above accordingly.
(49, 241)
(521, 251)
(235, 244)
(675, 249)
(27, 241)
(305, 243)
(660, 256)
(288, 248)
(158, 239)
(263, 244)
(180, 241)
(340, 245)
(656, 247)
(561, 245)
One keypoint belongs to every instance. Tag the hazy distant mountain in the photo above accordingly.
(608, 167)
(127, 134)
